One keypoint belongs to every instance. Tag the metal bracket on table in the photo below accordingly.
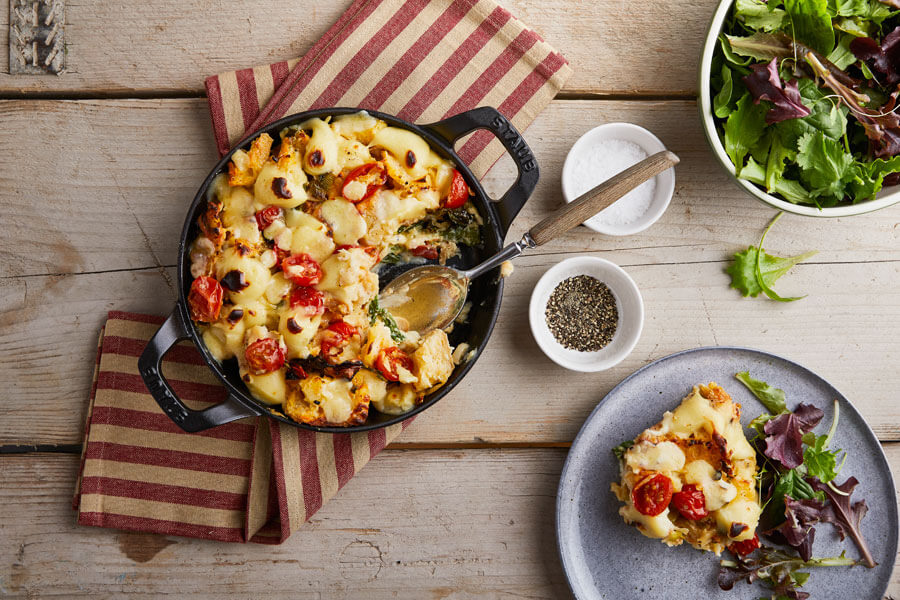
(37, 43)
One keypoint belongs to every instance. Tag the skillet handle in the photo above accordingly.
(172, 331)
(486, 117)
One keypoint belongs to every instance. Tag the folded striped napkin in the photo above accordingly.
(258, 480)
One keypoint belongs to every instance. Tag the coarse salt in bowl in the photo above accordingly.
(629, 305)
(605, 151)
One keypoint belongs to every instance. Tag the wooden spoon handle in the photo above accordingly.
(590, 203)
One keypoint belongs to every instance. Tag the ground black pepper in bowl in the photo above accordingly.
(582, 314)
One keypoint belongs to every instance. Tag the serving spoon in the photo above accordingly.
(432, 296)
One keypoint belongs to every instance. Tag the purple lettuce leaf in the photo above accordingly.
(764, 83)
(845, 516)
(797, 529)
(881, 58)
(784, 434)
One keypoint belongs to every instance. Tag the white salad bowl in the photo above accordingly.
(883, 199)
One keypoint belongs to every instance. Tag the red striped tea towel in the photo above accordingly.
(422, 60)
(259, 480)
(252, 480)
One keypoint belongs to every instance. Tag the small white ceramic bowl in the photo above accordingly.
(883, 199)
(649, 143)
(628, 302)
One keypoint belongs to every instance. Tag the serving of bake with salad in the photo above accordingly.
(285, 266)
(726, 472)
(694, 477)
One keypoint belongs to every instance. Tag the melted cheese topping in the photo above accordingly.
(284, 198)
(701, 443)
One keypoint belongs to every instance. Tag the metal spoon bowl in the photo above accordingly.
(432, 296)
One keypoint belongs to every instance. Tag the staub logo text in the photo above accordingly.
(515, 143)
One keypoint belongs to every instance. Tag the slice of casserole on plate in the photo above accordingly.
(692, 476)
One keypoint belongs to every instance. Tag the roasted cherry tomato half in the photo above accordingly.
(690, 502)
(390, 360)
(267, 216)
(334, 338)
(459, 191)
(363, 181)
(302, 269)
(205, 299)
(652, 495)
(264, 356)
(744, 547)
(310, 298)
(425, 251)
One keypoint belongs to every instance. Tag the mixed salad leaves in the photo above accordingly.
(805, 97)
(797, 489)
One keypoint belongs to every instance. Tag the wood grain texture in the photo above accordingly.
(847, 330)
(442, 524)
(137, 164)
(170, 46)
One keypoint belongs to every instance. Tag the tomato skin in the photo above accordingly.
(264, 356)
(267, 216)
(205, 299)
(336, 335)
(652, 495)
(425, 251)
(310, 298)
(690, 502)
(745, 547)
(459, 191)
(390, 359)
(372, 174)
(302, 269)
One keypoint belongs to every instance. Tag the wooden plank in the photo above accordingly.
(140, 162)
(847, 330)
(388, 532)
(615, 47)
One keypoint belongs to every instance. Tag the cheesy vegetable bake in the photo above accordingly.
(284, 266)
(692, 476)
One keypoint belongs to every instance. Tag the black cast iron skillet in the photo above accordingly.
(485, 292)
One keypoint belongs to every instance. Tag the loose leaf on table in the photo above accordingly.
(754, 271)
(846, 516)
(771, 397)
(743, 128)
(784, 434)
(744, 274)
(810, 23)
(765, 84)
(780, 570)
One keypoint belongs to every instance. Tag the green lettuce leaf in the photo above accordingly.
(759, 15)
(809, 22)
(871, 10)
(871, 177)
(842, 57)
(722, 101)
(761, 46)
(771, 397)
(825, 166)
(790, 190)
(744, 127)
(754, 271)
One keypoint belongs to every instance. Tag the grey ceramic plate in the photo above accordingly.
(605, 558)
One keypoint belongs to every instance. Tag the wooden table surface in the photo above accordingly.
(99, 163)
